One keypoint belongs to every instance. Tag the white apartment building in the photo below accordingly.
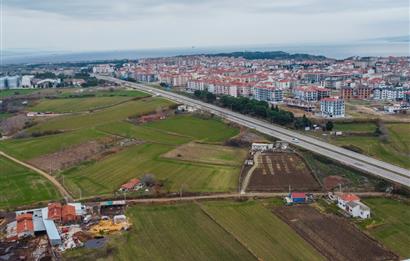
(332, 107)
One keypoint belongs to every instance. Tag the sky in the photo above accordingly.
(96, 25)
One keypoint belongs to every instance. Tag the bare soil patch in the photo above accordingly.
(70, 157)
(333, 236)
(278, 171)
(332, 182)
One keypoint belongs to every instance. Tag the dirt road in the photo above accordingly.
(249, 174)
(60, 188)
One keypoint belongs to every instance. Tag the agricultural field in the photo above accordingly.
(29, 148)
(105, 176)
(151, 135)
(389, 224)
(76, 104)
(333, 236)
(208, 153)
(368, 127)
(395, 149)
(278, 171)
(13, 92)
(20, 186)
(176, 232)
(197, 128)
(256, 227)
(110, 115)
(89, 92)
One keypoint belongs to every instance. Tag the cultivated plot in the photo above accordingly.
(333, 236)
(278, 171)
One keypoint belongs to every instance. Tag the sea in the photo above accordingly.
(337, 51)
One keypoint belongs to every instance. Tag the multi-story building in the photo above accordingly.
(267, 93)
(310, 93)
(389, 93)
(26, 81)
(361, 93)
(332, 107)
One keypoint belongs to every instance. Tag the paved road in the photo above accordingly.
(57, 184)
(361, 162)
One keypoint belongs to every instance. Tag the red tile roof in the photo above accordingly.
(25, 223)
(298, 195)
(130, 184)
(349, 197)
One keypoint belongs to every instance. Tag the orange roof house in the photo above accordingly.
(68, 214)
(349, 197)
(25, 225)
(54, 211)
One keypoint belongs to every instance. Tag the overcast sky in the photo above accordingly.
(80, 25)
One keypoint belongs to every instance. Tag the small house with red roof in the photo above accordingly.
(352, 205)
(25, 227)
(133, 184)
(54, 211)
(69, 215)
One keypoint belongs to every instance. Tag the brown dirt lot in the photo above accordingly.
(332, 182)
(332, 236)
(66, 158)
(276, 171)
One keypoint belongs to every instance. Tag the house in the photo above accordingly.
(54, 212)
(133, 184)
(25, 227)
(297, 197)
(69, 215)
(358, 209)
(352, 205)
(262, 147)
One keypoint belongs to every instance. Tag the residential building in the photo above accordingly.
(352, 205)
(310, 93)
(266, 93)
(26, 81)
(332, 107)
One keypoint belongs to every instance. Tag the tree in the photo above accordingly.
(148, 180)
(329, 125)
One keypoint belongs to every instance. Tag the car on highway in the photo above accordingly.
(295, 140)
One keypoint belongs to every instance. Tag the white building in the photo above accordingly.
(358, 209)
(262, 146)
(332, 107)
(269, 94)
(26, 81)
(352, 205)
(389, 93)
(103, 69)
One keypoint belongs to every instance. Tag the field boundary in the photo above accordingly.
(209, 215)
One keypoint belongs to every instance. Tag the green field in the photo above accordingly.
(106, 176)
(76, 104)
(390, 224)
(179, 232)
(102, 117)
(197, 128)
(261, 231)
(151, 135)
(20, 186)
(105, 93)
(12, 92)
(395, 150)
(29, 148)
(355, 127)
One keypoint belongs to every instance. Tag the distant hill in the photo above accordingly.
(275, 55)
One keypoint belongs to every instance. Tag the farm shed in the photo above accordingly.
(298, 197)
(51, 229)
(262, 146)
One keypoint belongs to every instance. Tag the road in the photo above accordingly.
(349, 158)
(57, 184)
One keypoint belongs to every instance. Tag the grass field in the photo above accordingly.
(151, 135)
(207, 153)
(105, 93)
(178, 232)
(261, 231)
(395, 150)
(12, 92)
(390, 224)
(355, 127)
(102, 117)
(20, 186)
(106, 176)
(29, 148)
(76, 104)
(197, 128)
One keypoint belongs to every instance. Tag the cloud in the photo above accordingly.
(137, 24)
